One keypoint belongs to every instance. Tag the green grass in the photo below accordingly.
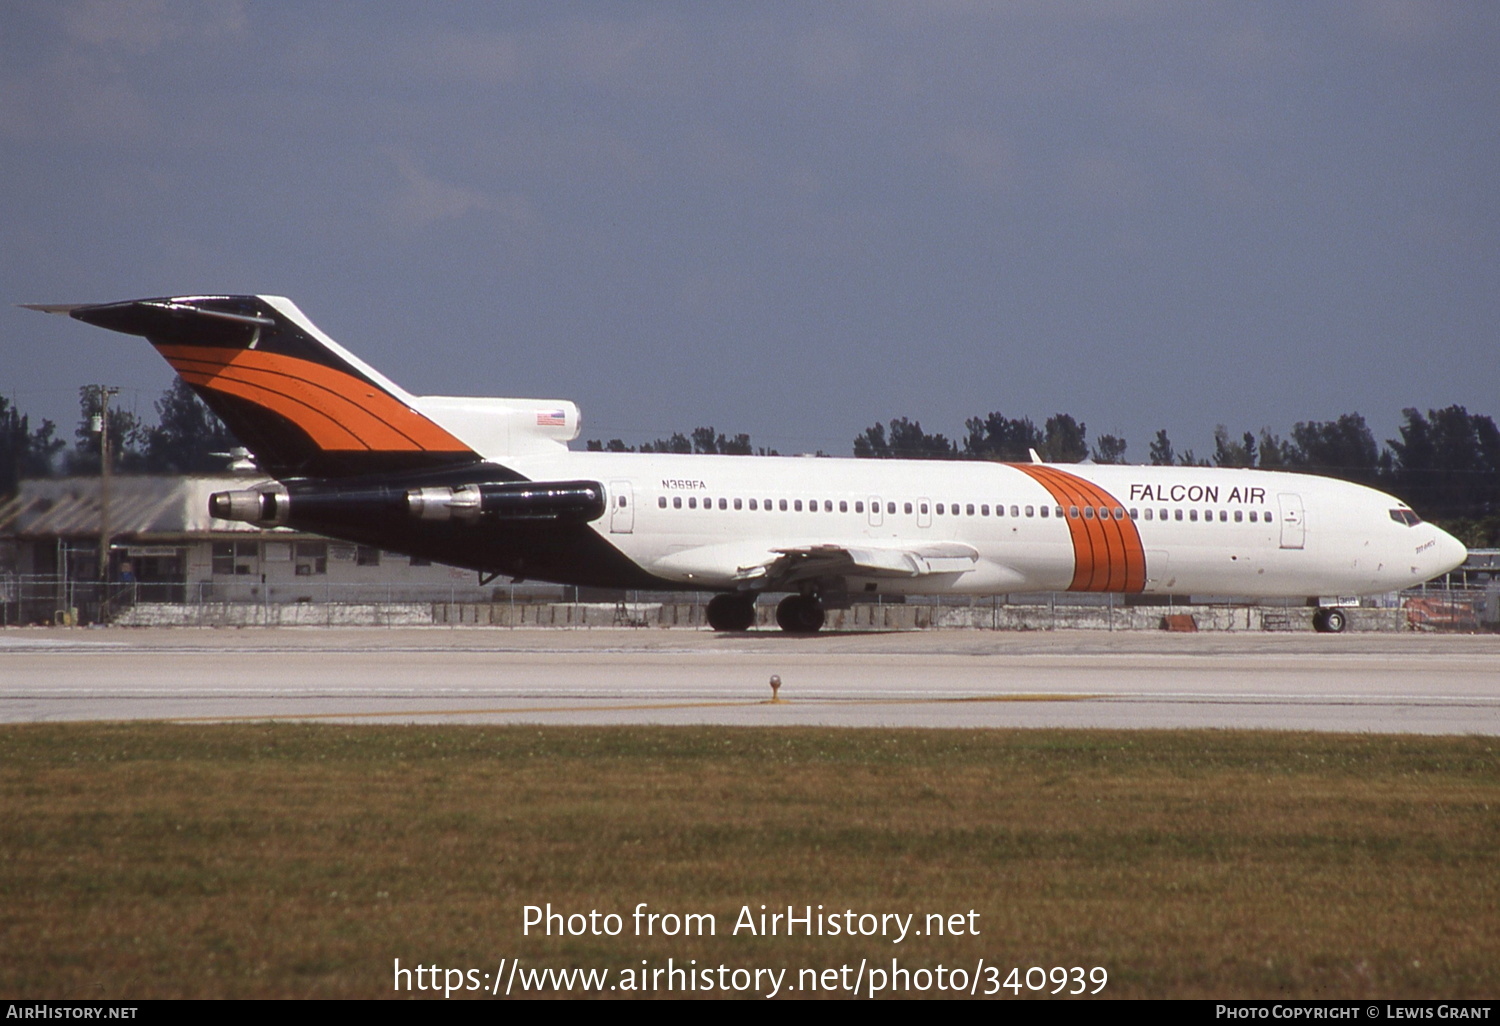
(291, 860)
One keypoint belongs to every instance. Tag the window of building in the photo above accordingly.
(311, 558)
(367, 555)
(235, 557)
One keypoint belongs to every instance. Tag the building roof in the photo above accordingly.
(140, 506)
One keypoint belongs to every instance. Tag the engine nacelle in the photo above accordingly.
(575, 502)
(267, 507)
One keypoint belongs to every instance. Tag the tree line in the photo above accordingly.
(186, 439)
(1445, 463)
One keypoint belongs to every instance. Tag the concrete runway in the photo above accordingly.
(1389, 683)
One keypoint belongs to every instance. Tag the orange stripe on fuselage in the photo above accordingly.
(338, 411)
(1107, 554)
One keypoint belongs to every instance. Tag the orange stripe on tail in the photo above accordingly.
(338, 411)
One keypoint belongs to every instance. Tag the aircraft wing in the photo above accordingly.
(791, 565)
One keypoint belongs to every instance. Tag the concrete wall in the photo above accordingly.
(691, 615)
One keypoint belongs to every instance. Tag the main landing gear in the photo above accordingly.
(731, 612)
(1329, 620)
(796, 614)
(800, 614)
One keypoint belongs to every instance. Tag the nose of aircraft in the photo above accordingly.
(1448, 554)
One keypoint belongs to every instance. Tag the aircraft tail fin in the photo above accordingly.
(299, 401)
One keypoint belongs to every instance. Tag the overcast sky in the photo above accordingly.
(787, 219)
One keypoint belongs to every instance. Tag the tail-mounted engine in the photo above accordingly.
(322, 503)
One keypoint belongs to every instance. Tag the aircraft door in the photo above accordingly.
(621, 508)
(877, 516)
(1293, 523)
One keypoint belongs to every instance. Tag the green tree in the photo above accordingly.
(1342, 448)
(997, 437)
(1447, 464)
(1065, 441)
(906, 441)
(186, 436)
(126, 434)
(1162, 453)
(24, 452)
(1109, 449)
(1231, 453)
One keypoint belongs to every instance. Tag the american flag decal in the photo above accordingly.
(553, 418)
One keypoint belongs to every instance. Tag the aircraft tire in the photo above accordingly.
(1330, 621)
(800, 614)
(731, 612)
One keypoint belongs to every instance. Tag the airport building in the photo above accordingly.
(165, 548)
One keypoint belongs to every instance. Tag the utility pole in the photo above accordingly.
(104, 393)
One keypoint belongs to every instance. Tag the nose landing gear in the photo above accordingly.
(1329, 621)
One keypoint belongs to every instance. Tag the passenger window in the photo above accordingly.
(1177, 514)
(999, 511)
(1193, 515)
(984, 509)
(890, 508)
(1239, 516)
(676, 502)
(1073, 512)
(1120, 513)
(753, 505)
(692, 502)
(782, 505)
(1088, 512)
(828, 505)
(969, 510)
(843, 506)
(1163, 515)
(1223, 516)
(1043, 511)
(1015, 511)
(922, 508)
(940, 509)
(661, 502)
(797, 505)
(859, 507)
(1028, 511)
(1148, 514)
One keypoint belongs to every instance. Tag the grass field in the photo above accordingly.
(288, 860)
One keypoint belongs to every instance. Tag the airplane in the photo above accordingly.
(490, 484)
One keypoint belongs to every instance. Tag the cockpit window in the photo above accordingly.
(1405, 516)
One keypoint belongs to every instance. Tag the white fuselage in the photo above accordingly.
(703, 520)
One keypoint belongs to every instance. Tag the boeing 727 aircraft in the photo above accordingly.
(490, 484)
